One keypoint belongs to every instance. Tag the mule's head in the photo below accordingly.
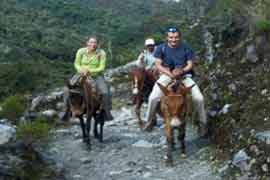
(76, 98)
(137, 76)
(173, 104)
(77, 104)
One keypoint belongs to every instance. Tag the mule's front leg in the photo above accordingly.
(88, 128)
(96, 116)
(139, 103)
(83, 128)
(181, 138)
(169, 135)
(101, 124)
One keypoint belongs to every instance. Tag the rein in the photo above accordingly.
(180, 95)
(75, 91)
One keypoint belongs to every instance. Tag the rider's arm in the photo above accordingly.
(101, 65)
(159, 57)
(77, 63)
(188, 67)
(163, 69)
(140, 60)
(190, 57)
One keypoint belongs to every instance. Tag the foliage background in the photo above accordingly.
(39, 38)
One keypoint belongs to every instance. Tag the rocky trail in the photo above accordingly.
(127, 153)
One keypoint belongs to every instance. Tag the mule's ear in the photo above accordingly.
(163, 89)
(181, 89)
(188, 89)
(184, 90)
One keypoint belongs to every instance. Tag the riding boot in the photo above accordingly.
(150, 125)
(107, 107)
(109, 116)
(66, 116)
(134, 100)
(203, 130)
(67, 113)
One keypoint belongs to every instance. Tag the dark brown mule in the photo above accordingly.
(83, 100)
(174, 106)
(142, 84)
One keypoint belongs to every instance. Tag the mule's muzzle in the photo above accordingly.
(135, 91)
(175, 122)
(76, 112)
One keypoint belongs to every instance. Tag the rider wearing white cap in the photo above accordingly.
(146, 58)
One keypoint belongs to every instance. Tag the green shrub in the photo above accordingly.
(33, 132)
(32, 76)
(13, 107)
(263, 26)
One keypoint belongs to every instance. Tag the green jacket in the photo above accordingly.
(95, 64)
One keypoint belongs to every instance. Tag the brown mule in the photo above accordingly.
(83, 100)
(174, 108)
(142, 83)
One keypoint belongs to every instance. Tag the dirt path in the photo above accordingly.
(128, 154)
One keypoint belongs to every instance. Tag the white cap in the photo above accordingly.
(149, 42)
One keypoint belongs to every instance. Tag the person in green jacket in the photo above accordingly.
(91, 61)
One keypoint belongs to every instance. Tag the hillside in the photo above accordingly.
(46, 34)
(237, 83)
(54, 30)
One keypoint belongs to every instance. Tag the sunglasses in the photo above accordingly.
(173, 30)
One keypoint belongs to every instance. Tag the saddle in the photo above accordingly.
(75, 86)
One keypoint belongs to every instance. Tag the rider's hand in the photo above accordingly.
(178, 72)
(171, 75)
(168, 73)
(141, 57)
(85, 72)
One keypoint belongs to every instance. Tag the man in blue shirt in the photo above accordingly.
(175, 59)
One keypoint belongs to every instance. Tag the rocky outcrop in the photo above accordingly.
(120, 71)
(251, 54)
(7, 133)
(238, 95)
(208, 41)
(263, 137)
(46, 101)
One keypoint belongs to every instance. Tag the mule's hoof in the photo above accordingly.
(148, 128)
(168, 161)
(109, 117)
(89, 147)
(86, 140)
(100, 140)
(183, 155)
(141, 125)
(87, 144)
(173, 145)
(96, 135)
